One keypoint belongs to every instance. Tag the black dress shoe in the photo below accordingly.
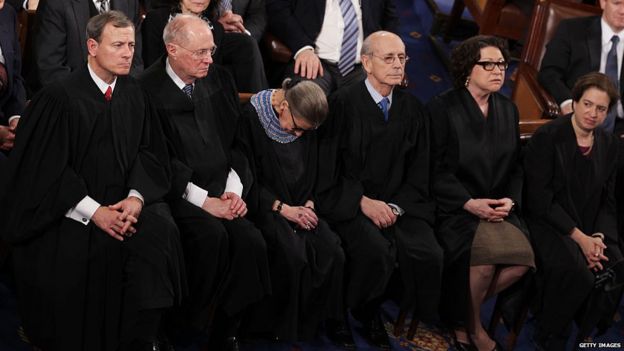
(340, 334)
(375, 333)
(231, 344)
(461, 346)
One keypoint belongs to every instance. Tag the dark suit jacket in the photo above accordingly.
(12, 101)
(573, 51)
(298, 22)
(254, 15)
(61, 40)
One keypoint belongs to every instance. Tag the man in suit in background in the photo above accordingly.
(325, 36)
(243, 16)
(12, 93)
(60, 35)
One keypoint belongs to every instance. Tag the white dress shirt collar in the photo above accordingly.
(102, 85)
(375, 94)
(177, 80)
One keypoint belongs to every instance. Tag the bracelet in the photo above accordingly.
(598, 235)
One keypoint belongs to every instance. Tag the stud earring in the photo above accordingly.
(467, 82)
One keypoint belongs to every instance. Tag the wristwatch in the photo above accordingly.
(278, 208)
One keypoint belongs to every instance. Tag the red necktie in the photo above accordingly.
(108, 95)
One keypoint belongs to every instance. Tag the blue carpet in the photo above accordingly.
(428, 77)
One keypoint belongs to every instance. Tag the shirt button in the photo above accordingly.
(84, 220)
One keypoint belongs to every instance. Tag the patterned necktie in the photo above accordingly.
(225, 5)
(348, 50)
(103, 5)
(611, 71)
(108, 95)
(383, 105)
(188, 90)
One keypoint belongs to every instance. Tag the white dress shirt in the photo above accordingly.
(329, 41)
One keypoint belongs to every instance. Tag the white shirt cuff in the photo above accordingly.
(137, 195)
(83, 211)
(194, 194)
(399, 211)
(565, 103)
(307, 47)
(247, 32)
(233, 183)
(13, 117)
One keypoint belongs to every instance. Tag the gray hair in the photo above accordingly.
(306, 100)
(175, 30)
(96, 24)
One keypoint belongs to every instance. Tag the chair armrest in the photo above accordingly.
(550, 106)
(277, 50)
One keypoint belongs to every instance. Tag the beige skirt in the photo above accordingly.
(500, 243)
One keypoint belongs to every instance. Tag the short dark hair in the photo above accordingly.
(96, 24)
(595, 80)
(306, 100)
(468, 53)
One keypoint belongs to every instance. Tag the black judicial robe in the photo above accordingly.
(361, 154)
(226, 260)
(70, 277)
(565, 190)
(306, 266)
(473, 157)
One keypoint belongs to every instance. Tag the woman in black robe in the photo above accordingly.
(305, 257)
(238, 52)
(477, 182)
(570, 167)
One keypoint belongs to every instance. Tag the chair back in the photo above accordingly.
(546, 17)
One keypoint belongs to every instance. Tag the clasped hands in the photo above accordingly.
(379, 212)
(593, 249)
(7, 135)
(227, 206)
(491, 210)
(118, 220)
(303, 216)
(232, 22)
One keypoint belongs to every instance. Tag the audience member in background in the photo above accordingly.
(12, 93)
(278, 132)
(96, 256)
(583, 45)
(477, 182)
(60, 35)
(570, 177)
(374, 188)
(238, 52)
(226, 255)
(326, 36)
(243, 16)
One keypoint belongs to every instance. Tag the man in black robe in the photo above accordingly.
(94, 268)
(374, 188)
(225, 254)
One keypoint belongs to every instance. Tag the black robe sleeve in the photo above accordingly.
(541, 190)
(414, 195)
(338, 195)
(39, 183)
(450, 193)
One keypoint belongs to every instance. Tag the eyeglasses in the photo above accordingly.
(201, 53)
(295, 127)
(389, 59)
(489, 66)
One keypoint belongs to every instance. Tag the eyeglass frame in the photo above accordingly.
(197, 53)
(493, 64)
(393, 57)
(296, 128)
